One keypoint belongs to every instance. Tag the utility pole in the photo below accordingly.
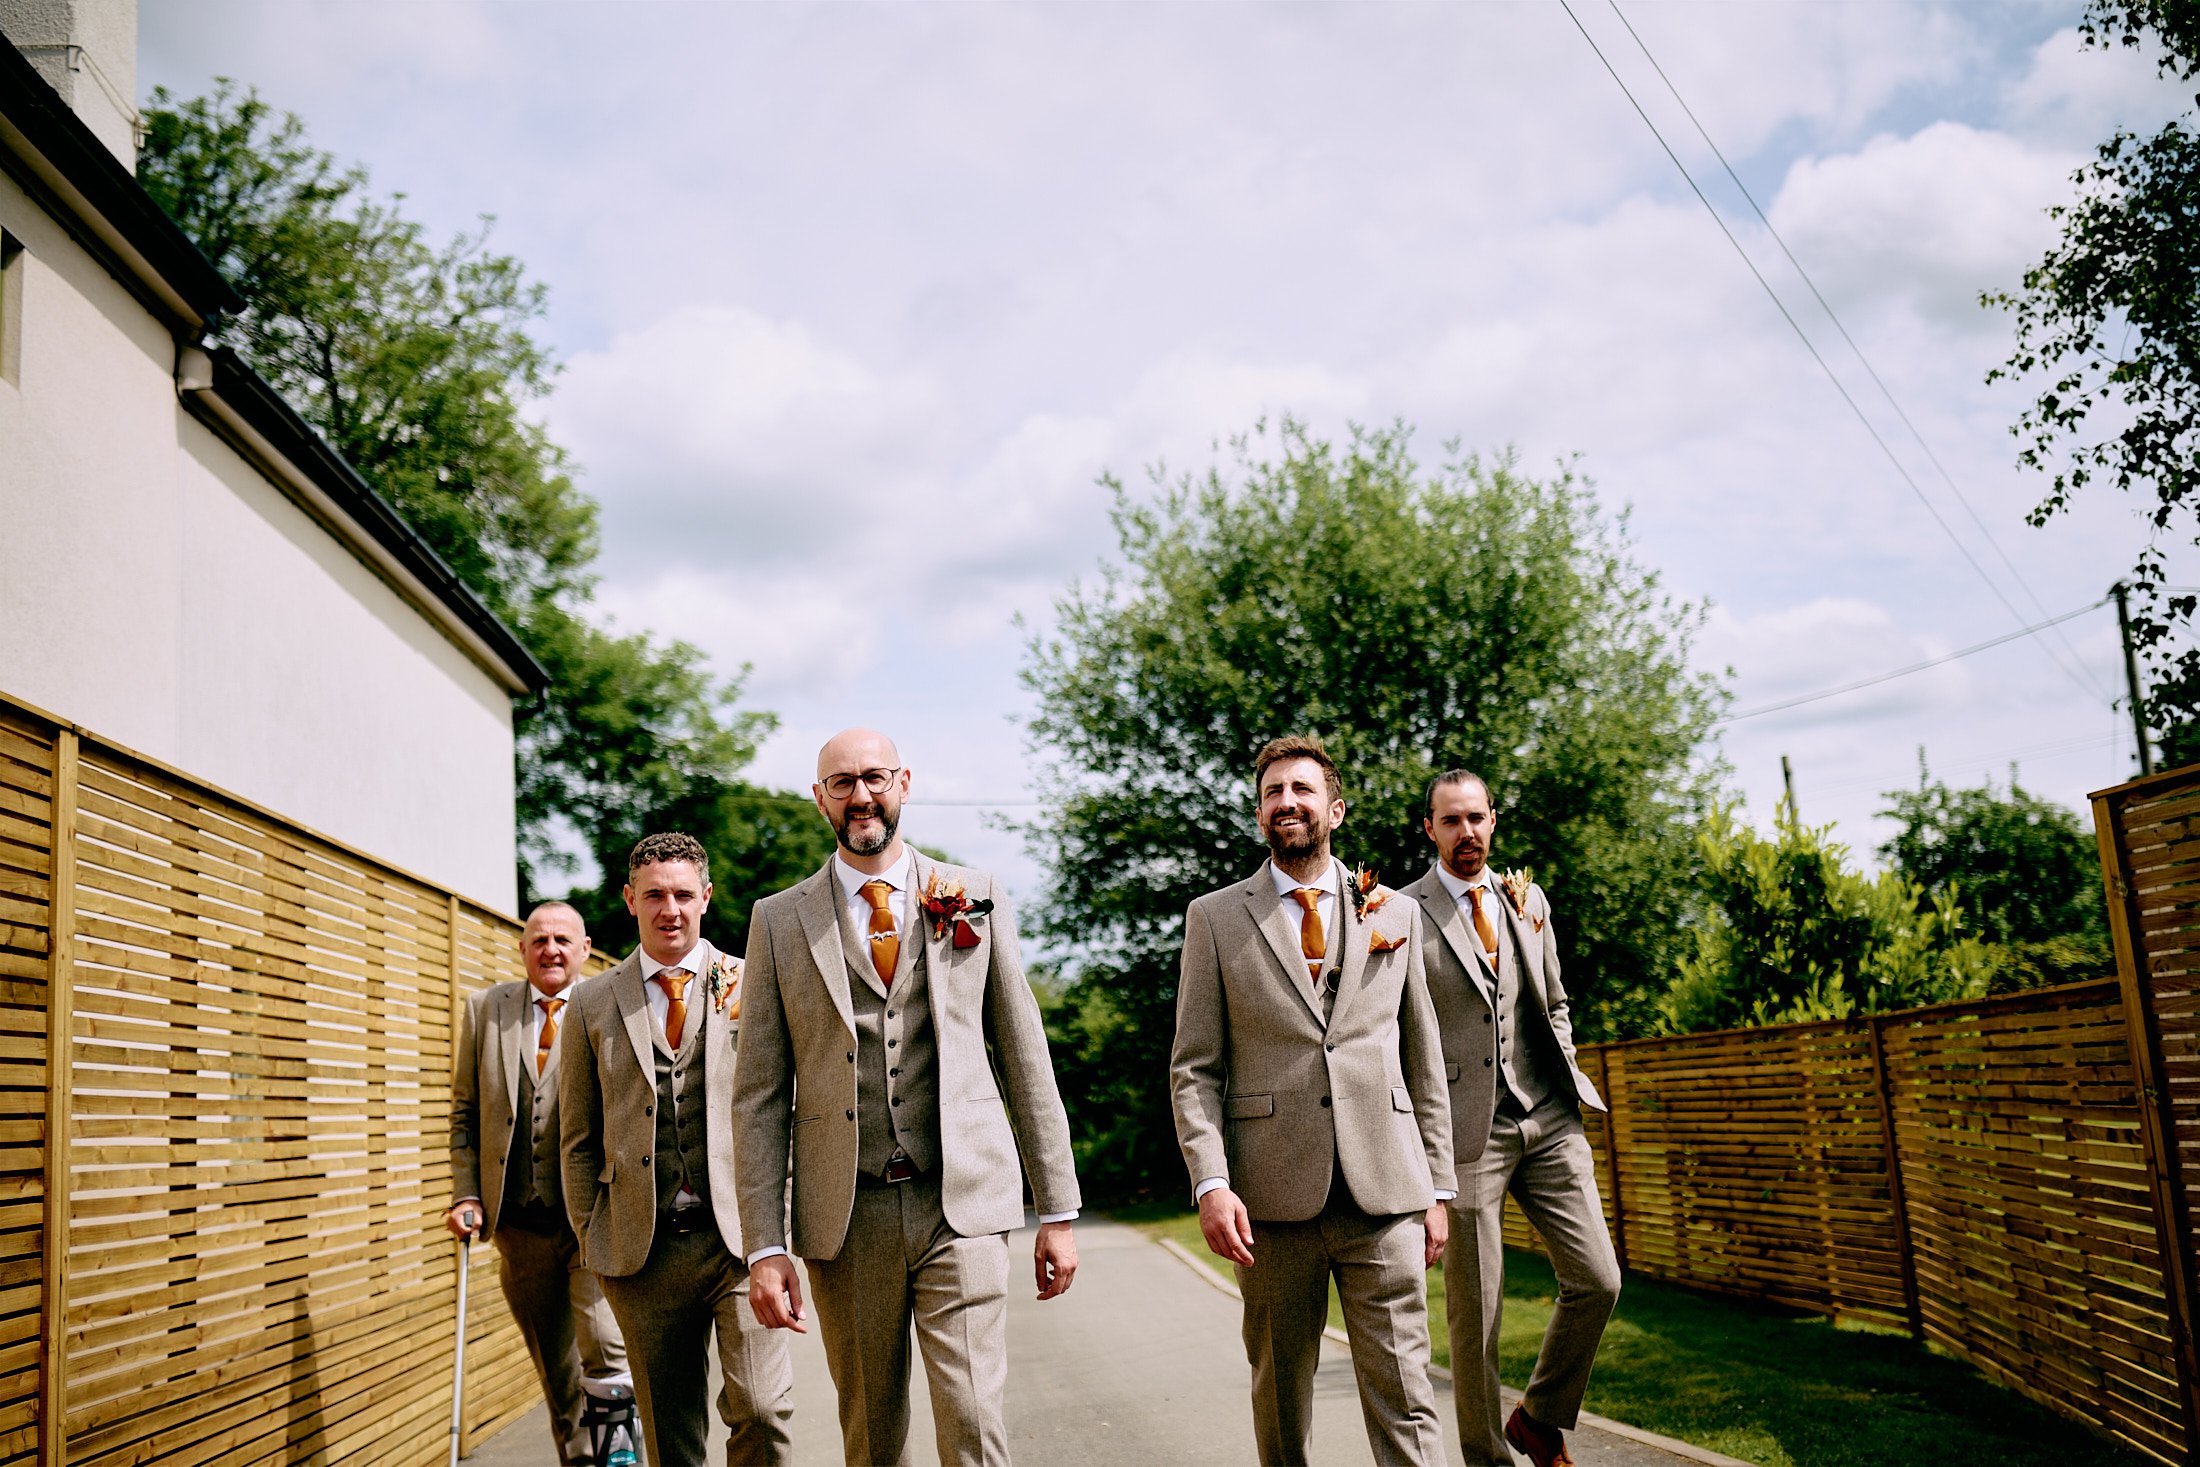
(2131, 679)
(1787, 777)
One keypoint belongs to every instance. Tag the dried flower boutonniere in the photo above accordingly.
(725, 986)
(1515, 885)
(946, 903)
(1368, 893)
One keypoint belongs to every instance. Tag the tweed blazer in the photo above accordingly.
(795, 1102)
(1464, 990)
(1273, 1099)
(485, 1093)
(607, 1100)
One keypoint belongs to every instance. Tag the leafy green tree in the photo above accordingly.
(2027, 872)
(1471, 616)
(417, 360)
(1792, 935)
(2111, 318)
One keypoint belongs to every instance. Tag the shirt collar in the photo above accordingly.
(693, 962)
(1287, 883)
(1457, 887)
(900, 876)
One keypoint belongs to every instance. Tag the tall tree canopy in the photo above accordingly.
(1417, 620)
(416, 360)
(2110, 318)
(2026, 870)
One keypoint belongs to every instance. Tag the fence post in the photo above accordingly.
(2157, 1118)
(53, 1321)
(1611, 1152)
(458, 1013)
(1876, 1025)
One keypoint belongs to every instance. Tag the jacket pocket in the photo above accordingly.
(1401, 1098)
(1451, 1072)
(1241, 1107)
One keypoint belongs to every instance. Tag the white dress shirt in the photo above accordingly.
(1326, 906)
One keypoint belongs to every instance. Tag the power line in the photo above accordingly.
(1804, 338)
(1825, 305)
(1866, 682)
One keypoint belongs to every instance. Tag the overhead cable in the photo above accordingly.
(2038, 606)
(1804, 337)
(1861, 683)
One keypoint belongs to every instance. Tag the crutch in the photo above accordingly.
(458, 1361)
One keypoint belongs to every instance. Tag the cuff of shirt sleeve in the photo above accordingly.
(1055, 1217)
(775, 1251)
(1200, 1192)
(1443, 1196)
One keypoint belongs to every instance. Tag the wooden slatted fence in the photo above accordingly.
(2014, 1180)
(225, 1057)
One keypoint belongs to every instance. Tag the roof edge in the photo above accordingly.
(49, 149)
(240, 406)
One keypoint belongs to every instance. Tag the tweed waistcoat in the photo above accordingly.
(1527, 1050)
(897, 1060)
(683, 1150)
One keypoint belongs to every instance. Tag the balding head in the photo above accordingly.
(861, 783)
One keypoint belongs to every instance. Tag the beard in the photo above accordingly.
(1296, 841)
(889, 819)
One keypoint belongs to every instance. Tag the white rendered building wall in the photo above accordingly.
(158, 590)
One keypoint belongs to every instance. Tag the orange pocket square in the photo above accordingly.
(1377, 943)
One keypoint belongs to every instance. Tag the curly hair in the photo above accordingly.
(669, 845)
(1297, 746)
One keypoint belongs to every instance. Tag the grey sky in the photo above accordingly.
(858, 301)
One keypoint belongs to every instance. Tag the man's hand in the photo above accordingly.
(464, 1220)
(1054, 1259)
(775, 1294)
(1439, 1233)
(1226, 1227)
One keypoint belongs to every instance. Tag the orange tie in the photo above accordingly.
(549, 1034)
(885, 942)
(1482, 929)
(1313, 942)
(674, 982)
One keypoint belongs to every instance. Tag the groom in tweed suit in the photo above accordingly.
(1517, 1095)
(648, 1135)
(1308, 1085)
(894, 1055)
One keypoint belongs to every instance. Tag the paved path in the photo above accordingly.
(1138, 1365)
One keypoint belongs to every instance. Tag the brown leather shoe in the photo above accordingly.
(1545, 1445)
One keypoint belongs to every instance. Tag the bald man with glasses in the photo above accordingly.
(893, 1068)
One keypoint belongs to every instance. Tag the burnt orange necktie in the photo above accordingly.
(1483, 932)
(674, 981)
(1313, 942)
(885, 942)
(549, 1034)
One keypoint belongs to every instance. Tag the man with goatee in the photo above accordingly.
(1308, 1086)
(875, 990)
(1491, 950)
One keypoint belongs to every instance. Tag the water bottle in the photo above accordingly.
(619, 1450)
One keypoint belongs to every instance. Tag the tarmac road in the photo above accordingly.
(1138, 1365)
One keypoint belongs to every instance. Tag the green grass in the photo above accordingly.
(1768, 1385)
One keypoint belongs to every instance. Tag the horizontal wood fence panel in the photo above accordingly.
(255, 1127)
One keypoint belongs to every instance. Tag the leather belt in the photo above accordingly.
(684, 1220)
(900, 1169)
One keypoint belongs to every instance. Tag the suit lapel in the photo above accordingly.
(935, 948)
(508, 1026)
(1266, 910)
(819, 908)
(633, 1000)
(1529, 966)
(1352, 932)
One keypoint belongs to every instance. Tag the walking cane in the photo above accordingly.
(458, 1362)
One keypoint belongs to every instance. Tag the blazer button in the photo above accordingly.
(1330, 1047)
(851, 1056)
(897, 1100)
(645, 1161)
(851, 1115)
(1485, 1018)
(892, 1042)
(649, 1110)
(1325, 1102)
(1485, 1062)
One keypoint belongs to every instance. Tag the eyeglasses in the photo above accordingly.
(841, 786)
